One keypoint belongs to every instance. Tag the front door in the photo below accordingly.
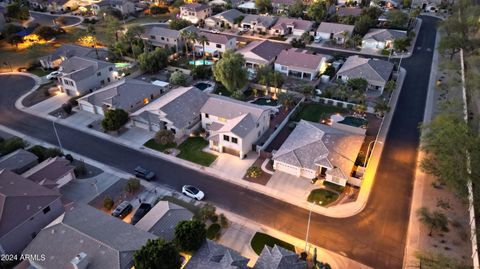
(323, 172)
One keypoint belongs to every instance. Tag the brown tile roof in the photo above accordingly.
(299, 58)
(52, 170)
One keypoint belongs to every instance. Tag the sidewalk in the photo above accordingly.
(337, 211)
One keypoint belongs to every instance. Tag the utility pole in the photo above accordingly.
(58, 137)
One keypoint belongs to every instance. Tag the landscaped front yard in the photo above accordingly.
(154, 145)
(191, 150)
(322, 197)
(315, 112)
(259, 241)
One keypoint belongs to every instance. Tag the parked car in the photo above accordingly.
(141, 211)
(122, 210)
(242, 31)
(53, 75)
(193, 192)
(144, 173)
(215, 31)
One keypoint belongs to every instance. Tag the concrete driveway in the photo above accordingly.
(286, 184)
(233, 166)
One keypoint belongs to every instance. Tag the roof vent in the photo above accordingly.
(80, 261)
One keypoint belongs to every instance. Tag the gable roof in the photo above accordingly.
(370, 69)
(265, 21)
(195, 6)
(335, 28)
(279, 258)
(179, 106)
(283, 2)
(21, 199)
(108, 242)
(215, 256)
(78, 68)
(283, 23)
(384, 34)
(215, 38)
(162, 219)
(51, 170)
(122, 94)
(229, 15)
(346, 11)
(70, 50)
(300, 58)
(265, 49)
(313, 144)
(17, 160)
(160, 31)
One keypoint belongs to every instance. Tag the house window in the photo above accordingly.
(46, 210)
(234, 140)
(283, 68)
(226, 138)
(145, 101)
(258, 124)
(219, 46)
(173, 130)
(99, 74)
(206, 115)
(163, 38)
(108, 79)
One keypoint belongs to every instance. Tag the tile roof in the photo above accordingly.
(18, 160)
(284, 23)
(179, 106)
(122, 94)
(300, 58)
(195, 6)
(20, 199)
(229, 15)
(370, 69)
(283, 2)
(279, 258)
(79, 68)
(335, 28)
(161, 31)
(384, 34)
(215, 38)
(162, 219)
(265, 49)
(108, 242)
(70, 50)
(312, 144)
(265, 21)
(215, 256)
(346, 11)
(50, 170)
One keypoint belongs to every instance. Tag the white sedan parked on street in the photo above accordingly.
(193, 192)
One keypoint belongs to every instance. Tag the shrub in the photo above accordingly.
(178, 78)
(207, 211)
(350, 106)
(11, 144)
(190, 235)
(114, 119)
(330, 71)
(132, 186)
(339, 104)
(254, 172)
(80, 169)
(385, 52)
(156, 10)
(69, 157)
(164, 137)
(214, 218)
(223, 221)
(213, 231)
(202, 72)
(108, 203)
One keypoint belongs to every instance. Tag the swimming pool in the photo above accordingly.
(200, 62)
(263, 101)
(202, 85)
(122, 65)
(354, 121)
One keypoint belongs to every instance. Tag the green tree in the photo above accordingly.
(207, 211)
(10, 145)
(157, 254)
(308, 90)
(390, 86)
(18, 11)
(153, 61)
(190, 235)
(45, 32)
(435, 221)
(230, 71)
(114, 119)
(357, 84)
(108, 203)
(263, 6)
(11, 29)
(178, 24)
(14, 40)
(330, 71)
(317, 11)
(133, 37)
(203, 40)
(397, 18)
(286, 99)
(362, 25)
(178, 78)
(112, 26)
(360, 108)
(132, 185)
(372, 12)
(296, 10)
(381, 107)
(164, 137)
(401, 44)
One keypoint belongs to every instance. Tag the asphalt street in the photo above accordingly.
(46, 19)
(375, 237)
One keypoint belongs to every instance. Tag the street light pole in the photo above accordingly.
(308, 229)
(58, 137)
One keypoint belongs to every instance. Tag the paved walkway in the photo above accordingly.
(50, 104)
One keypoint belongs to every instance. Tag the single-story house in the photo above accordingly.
(216, 44)
(381, 38)
(233, 126)
(279, 258)
(52, 173)
(337, 32)
(25, 208)
(81, 75)
(258, 23)
(261, 53)
(163, 37)
(248, 7)
(84, 237)
(225, 19)
(301, 64)
(287, 26)
(18, 161)
(67, 51)
(178, 111)
(195, 12)
(376, 72)
(317, 150)
(127, 94)
(215, 256)
(162, 219)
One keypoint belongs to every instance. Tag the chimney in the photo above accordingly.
(80, 261)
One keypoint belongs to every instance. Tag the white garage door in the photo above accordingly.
(87, 107)
(140, 124)
(286, 168)
(307, 173)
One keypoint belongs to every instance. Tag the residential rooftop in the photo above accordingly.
(300, 58)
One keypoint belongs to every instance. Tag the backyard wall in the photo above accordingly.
(338, 103)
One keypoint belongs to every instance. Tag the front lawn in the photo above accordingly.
(316, 112)
(154, 145)
(259, 241)
(191, 150)
(322, 196)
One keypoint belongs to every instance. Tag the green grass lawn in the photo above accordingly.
(259, 240)
(191, 150)
(317, 112)
(154, 145)
(39, 72)
(322, 196)
(333, 186)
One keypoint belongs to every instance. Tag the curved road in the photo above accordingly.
(375, 237)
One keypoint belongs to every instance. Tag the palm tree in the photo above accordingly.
(193, 37)
(382, 107)
(202, 40)
(360, 109)
(184, 35)
(434, 221)
(345, 36)
(286, 99)
(356, 40)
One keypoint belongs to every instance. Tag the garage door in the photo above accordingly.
(87, 107)
(231, 151)
(71, 92)
(286, 168)
(307, 173)
(140, 124)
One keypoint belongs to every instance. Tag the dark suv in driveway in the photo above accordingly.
(141, 172)
(141, 211)
(122, 210)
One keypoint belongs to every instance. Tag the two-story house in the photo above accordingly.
(163, 37)
(215, 45)
(225, 19)
(287, 26)
(258, 54)
(233, 126)
(258, 23)
(301, 64)
(66, 51)
(25, 209)
(81, 75)
(124, 6)
(195, 12)
(335, 32)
